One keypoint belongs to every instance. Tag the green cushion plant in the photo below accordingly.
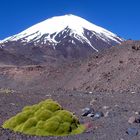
(45, 119)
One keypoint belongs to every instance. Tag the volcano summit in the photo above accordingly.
(66, 36)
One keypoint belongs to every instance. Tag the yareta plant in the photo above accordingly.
(45, 119)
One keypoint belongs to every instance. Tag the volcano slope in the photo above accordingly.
(107, 82)
(116, 69)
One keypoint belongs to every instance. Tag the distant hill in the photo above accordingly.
(115, 69)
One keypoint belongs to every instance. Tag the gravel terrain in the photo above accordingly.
(108, 82)
(117, 109)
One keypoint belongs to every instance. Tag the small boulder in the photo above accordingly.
(137, 113)
(137, 120)
(105, 107)
(132, 119)
(132, 131)
(93, 101)
(87, 111)
(136, 47)
(90, 115)
(98, 115)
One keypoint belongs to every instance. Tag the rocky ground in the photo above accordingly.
(107, 83)
(120, 112)
(113, 70)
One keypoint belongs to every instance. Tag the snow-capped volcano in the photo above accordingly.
(65, 31)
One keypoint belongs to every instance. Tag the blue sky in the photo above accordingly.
(119, 16)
